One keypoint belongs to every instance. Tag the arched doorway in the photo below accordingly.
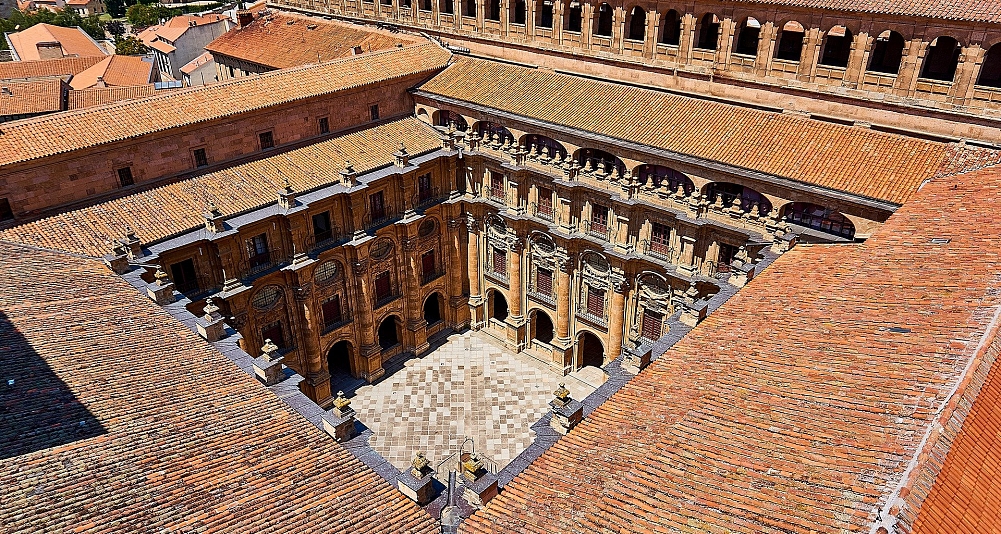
(432, 308)
(590, 351)
(542, 327)
(389, 332)
(339, 359)
(498, 306)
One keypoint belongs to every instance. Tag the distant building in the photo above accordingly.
(87, 7)
(182, 39)
(21, 99)
(45, 41)
(260, 43)
(199, 71)
(117, 71)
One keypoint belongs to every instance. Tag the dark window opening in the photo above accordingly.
(257, 247)
(595, 301)
(546, 14)
(545, 205)
(496, 185)
(708, 32)
(747, 37)
(575, 18)
(125, 177)
(670, 34)
(183, 274)
(837, 47)
(990, 72)
(388, 335)
(596, 160)
(637, 24)
(324, 125)
(887, 52)
(590, 351)
(275, 333)
(500, 261)
(470, 8)
(432, 309)
(659, 176)
(339, 358)
(599, 219)
(267, 140)
(728, 193)
(544, 281)
(545, 146)
(941, 60)
(425, 5)
(448, 119)
(604, 26)
(519, 12)
(424, 190)
(331, 310)
(6, 213)
(498, 306)
(543, 328)
(322, 229)
(446, 7)
(726, 254)
(428, 267)
(652, 324)
(373, 111)
(790, 42)
(488, 131)
(377, 206)
(660, 239)
(201, 159)
(494, 12)
(383, 287)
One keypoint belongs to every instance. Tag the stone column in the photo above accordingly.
(857, 60)
(586, 24)
(687, 41)
(456, 300)
(650, 36)
(616, 317)
(970, 62)
(618, 28)
(473, 268)
(563, 286)
(316, 385)
(514, 302)
(724, 47)
(370, 351)
(910, 67)
(505, 16)
(809, 55)
(766, 45)
(416, 325)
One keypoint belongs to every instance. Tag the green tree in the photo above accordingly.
(115, 28)
(130, 46)
(141, 15)
(19, 21)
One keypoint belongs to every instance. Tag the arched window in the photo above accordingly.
(487, 130)
(837, 47)
(546, 14)
(660, 176)
(546, 146)
(595, 160)
(542, 327)
(389, 335)
(574, 17)
(446, 118)
(604, 26)
(637, 24)
(887, 50)
(990, 73)
(941, 60)
(494, 12)
(446, 6)
(518, 8)
(747, 38)
(819, 218)
(729, 193)
(790, 42)
(670, 32)
(425, 5)
(708, 32)
(432, 309)
(470, 8)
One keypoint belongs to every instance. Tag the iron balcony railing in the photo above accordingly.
(543, 211)
(600, 320)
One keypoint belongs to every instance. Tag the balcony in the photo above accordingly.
(597, 229)
(543, 297)
(596, 320)
(260, 264)
(380, 302)
(427, 278)
(428, 197)
(496, 193)
(500, 278)
(543, 211)
(659, 249)
(344, 320)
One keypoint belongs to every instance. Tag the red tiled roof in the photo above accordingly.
(175, 27)
(115, 71)
(971, 10)
(30, 139)
(192, 65)
(74, 41)
(798, 405)
(121, 418)
(99, 96)
(268, 41)
(859, 161)
(46, 67)
(31, 96)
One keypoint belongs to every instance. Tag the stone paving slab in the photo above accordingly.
(468, 387)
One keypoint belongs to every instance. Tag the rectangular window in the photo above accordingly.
(500, 261)
(424, 192)
(321, 227)
(332, 311)
(496, 185)
(6, 213)
(383, 289)
(324, 125)
(183, 273)
(267, 140)
(652, 322)
(377, 206)
(660, 239)
(595, 301)
(599, 218)
(373, 110)
(201, 159)
(257, 247)
(275, 333)
(428, 266)
(125, 177)
(546, 203)
(544, 281)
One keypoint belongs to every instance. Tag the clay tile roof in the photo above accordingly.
(116, 71)
(74, 41)
(268, 41)
(177, 207)
(190, 66)
(30, 139)
(800, 403)
(98, 96)
(859, 161)
(970, 10)
(120, 417)
(31, 96)
(162, 46)
(46, 67)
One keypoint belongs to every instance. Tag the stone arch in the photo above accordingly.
(837, 46)
(670, 28)
(340, 358)
(592, 158)
(590, 350)
(726, 193)
(990, 72)
(542, 327)
(518, 12)
(544, 14)
(389, 332)
(487, 129)
(819, 218)
(433, 308)
(887, 53)
(603, 15)
(707, 32)
(423, 114)
(445, 118)
(497, 305)
(660, 176)
(746, 41)
(941, 59)
(636, 24)
(547, 146)
(575, 18)
(790, 41)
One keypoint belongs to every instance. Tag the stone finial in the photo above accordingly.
(472, 467)
(210, 326)
(211, 310)
(418, 482)
(118, 260)
(213, 219)
(349, 176)
(286, 197)
(161, 277)
(419, 466)
(161, 290)
(132, 243)
(269, 351)
(402, 156)
(342, 405)
(562, 395)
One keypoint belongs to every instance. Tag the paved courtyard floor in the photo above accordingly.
(468, 387)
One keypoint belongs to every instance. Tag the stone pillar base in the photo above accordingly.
(269, 371)
(211, 330)
(566, 417)
(420, 490)
(479, 492)
(162, 295)
(635, 360)
(340, 428)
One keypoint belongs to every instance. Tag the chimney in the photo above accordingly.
(100, 82)
(49, 50)
(402, 157)
(244, 18)
(192, 23)
(214, 219)
(349, 176)
(356, 51)
(132, 244)
(286, 197)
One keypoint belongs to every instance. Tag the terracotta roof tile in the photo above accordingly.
(121, 418)
(190, 66)
(74, 41)
(267, 41)
(855, 160)
(99, 96)
(30, 139)
(177, 207)
(115, 70)
(971, 10)
(42, 95)
(46, 67)
(798, 404)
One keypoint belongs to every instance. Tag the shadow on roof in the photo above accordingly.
(37, 409)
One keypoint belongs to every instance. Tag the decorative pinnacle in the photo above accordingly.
(161, 277)
(562, 393)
